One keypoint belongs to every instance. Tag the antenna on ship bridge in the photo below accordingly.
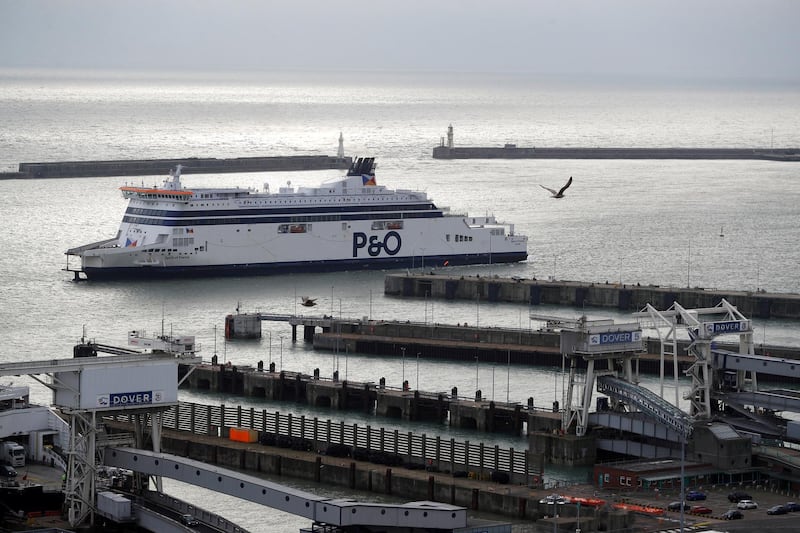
(340, 151)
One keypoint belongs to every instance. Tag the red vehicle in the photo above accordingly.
(701, 509)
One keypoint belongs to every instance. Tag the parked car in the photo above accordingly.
(733, 514)
(7, 471)
(694, 495)
(777, 509)
(189, 520)
(676, 506)
(747, 504)
(554, 498)
(792, 507)
(736, 497)
(701, 509)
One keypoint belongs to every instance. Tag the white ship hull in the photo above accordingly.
(342, 226)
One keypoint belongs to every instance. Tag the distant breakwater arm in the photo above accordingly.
(159, 167)
(512, 151)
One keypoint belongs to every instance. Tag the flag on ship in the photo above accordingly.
(366, 179)
(130, 243)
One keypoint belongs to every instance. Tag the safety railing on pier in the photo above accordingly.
(391, 445)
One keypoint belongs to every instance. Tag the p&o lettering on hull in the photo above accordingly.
(390, 244)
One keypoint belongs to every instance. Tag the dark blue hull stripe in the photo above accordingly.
(151, 272)
(265, 211)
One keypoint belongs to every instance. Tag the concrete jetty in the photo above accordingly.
(623, 297)
(391, 402)
(459, 342)
(159, 167)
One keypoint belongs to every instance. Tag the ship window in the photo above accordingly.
(447, 237)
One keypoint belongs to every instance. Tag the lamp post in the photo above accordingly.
(508, 379)
(477, 311)
(684, 434)
(281, 352)
(417, 386)
(477, 367)
(403, 378)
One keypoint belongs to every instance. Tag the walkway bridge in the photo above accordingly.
(343, 513)
(785, 456)
(646, 401)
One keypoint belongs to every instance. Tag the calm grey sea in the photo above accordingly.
(714, 224)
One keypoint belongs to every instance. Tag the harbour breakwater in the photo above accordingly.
(158, 167)
(623, 297)
(512, 151)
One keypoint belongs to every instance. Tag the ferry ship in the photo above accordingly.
(346, 223)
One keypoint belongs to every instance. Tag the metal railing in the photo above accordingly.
(405, 448)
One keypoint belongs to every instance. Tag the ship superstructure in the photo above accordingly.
(347, 223)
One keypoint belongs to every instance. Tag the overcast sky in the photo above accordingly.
(741, 39)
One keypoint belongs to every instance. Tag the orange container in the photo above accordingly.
(243, 435)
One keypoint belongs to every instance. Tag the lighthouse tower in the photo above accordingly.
(340, 151)
(450, 136)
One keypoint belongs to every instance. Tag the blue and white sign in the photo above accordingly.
(731, 326)
(615, 337)
(128, 399)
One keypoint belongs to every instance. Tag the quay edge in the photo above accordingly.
(623, 297)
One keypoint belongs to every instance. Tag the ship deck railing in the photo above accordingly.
(80, 249)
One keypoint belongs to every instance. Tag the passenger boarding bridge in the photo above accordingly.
(720, 379)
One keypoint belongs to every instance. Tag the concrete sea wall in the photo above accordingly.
(622, 297)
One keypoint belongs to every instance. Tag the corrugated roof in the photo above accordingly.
(724, 432)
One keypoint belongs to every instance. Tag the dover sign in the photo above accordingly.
(614, 337)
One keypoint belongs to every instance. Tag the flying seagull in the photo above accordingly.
(309, 302)
(559, 193)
